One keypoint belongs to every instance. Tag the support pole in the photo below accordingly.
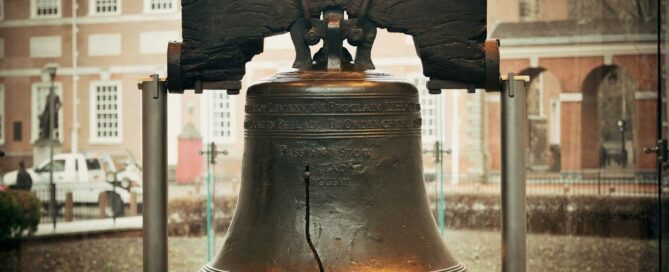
(514, 116)
(52, 115)
(154, 160)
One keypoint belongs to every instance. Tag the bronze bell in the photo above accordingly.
(332, 171)
(355, 137)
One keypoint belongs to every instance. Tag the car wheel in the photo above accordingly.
(114, 207)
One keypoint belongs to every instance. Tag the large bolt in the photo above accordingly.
(356, 36)
(312, 37)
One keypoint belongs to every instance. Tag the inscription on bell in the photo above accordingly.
(334, 107)
(324, 152)
(330, 166)
(332, 124)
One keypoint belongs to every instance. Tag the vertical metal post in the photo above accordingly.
(112, 203)
(514, 116)
(154, 160)
(52, 115)
(210, 245)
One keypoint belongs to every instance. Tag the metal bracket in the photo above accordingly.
(155, 80)
(510, 83)
(232, 86)
(333, 38)
(661, 150)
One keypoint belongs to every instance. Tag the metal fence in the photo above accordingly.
(88, 200)
(599, 183)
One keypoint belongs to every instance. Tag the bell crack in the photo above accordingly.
(307, 216)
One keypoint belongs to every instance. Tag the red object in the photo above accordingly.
(190, 164)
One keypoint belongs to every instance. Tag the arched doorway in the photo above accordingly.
(609, 113)
(543, 124)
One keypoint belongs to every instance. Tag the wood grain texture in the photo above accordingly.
(221, 36)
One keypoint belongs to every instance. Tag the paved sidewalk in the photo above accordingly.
(86, 227)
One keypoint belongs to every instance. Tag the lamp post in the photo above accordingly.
(51, 71)
(623, 151)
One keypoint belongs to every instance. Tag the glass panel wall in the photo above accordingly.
(593, 198)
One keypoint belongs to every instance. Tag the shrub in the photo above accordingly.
(20, 212)
(634, 217)
(188, 216)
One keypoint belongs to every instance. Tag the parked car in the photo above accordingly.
(79, 173)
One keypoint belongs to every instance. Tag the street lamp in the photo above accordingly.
(623, 152)
(50, 71)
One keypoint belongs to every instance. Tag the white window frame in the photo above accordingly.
(147, 7)
(530, 8)
(92, 9)
(555, 119)
(33, 10)
(92, 132)
(207, 118)
(35, 112)
(3, 115)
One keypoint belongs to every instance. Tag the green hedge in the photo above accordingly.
(19, 212)
(634, 217)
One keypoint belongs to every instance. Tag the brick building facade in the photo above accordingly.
(100, 53)
(572, 52)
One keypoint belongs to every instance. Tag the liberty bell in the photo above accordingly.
(332, 168)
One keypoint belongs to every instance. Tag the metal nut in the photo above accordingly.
(356, 36)
(312, 37)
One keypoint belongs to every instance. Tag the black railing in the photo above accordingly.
(592, 184)
(88, 200)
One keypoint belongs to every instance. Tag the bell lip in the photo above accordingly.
(457, 268)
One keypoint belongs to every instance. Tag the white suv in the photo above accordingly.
(82, 174)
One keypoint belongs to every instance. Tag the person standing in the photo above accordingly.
(23, 179)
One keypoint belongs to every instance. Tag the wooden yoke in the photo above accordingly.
(220, 37)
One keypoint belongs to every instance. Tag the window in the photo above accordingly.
(58, 166)
(105, 7)
(2, 10)
(105, 113)
(93, 164)
(40, 91)
(528, 10)
(428, 109)
(555, 122)
(46, 8)
(2, 48)
(2, 114)
(154, 6)
(18, 131)
(221, 117)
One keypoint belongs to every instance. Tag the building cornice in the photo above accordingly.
(571, 40)
(89, 70)
(577, 50)
(130, 18)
